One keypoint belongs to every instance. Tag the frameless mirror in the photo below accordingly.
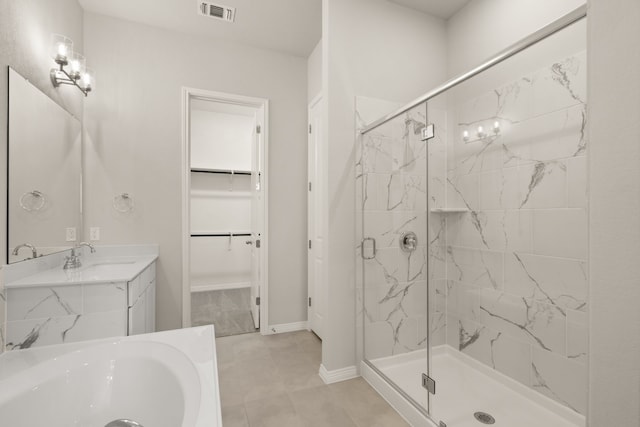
(44, 183)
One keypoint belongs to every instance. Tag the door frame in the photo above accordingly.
(318, 198)
(189, 93)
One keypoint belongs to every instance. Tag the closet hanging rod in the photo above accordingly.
(221, 171)
(222, 235)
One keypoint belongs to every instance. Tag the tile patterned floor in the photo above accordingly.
(229, 310)
(272, 381)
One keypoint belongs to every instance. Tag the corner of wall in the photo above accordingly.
(314, 72)
(25, 31)
(614, 132)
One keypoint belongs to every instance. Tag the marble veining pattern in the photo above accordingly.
(393, 201)
(52, 315)
(517, 259)
(507, 278)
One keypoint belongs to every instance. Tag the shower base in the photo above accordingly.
(464, 387)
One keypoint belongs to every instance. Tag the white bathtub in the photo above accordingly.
(165, 379)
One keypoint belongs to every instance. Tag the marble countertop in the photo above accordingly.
(93, 270)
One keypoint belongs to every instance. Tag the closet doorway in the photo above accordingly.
(224, 213)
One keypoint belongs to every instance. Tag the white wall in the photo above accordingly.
(614, 174)
(314, 72)
(133, 121)
(485, 27)
(377, 49)
(220, 204)
(25, 33)
(221, 140)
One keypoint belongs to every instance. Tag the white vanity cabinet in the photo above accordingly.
(141, 296)
(107, 296)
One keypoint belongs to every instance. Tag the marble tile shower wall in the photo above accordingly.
(516, 262)
(391, 179)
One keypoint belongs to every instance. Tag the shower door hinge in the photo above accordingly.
(309, 244)
(372, 248)
(428, 132)
(310, 128)
(309, 301)
(429, 383)
(258, 129)
(309, 186)
(257, 243)
(257, 300)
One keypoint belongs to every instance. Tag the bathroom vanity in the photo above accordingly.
(111, 294)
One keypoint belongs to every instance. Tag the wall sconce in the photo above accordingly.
(480, 133)
(72, 68)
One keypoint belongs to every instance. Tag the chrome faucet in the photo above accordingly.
(73, 260)
(34, 252)
(89, 245)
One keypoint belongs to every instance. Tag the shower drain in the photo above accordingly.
(484, 418)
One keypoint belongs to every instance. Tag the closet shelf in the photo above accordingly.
(449, 210)
(221, 171)
(221, 234)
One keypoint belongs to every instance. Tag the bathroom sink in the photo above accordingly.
(112, 263)
(104, 268)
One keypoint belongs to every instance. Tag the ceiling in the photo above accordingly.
(290, 26)
(444, 9)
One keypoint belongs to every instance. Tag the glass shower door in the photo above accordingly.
(394, 253)
(508, 240)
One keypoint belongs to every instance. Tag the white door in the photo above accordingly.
(316, 219)
(257, 214)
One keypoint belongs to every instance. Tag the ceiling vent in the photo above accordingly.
(217, 11)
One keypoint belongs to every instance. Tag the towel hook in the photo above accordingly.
(123, 203)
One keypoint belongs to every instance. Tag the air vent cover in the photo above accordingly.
(217, 11)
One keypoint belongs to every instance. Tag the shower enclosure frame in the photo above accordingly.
(393, 393)
(544, 32)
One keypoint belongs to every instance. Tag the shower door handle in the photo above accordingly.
(373, 248)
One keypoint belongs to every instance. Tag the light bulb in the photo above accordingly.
(86, 79)
(480, 131)
(75, 66)
(465, 135)
(496, 127)
(62, 49)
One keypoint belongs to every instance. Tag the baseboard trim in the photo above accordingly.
(337, 375)
(286, 327)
